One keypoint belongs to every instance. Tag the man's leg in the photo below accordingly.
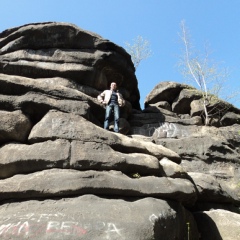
(107, 116)
(116, 118)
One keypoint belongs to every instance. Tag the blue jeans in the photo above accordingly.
(109, 109)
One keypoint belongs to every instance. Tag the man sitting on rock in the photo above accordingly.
(112, 99)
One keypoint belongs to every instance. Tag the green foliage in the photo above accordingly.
(135, 175)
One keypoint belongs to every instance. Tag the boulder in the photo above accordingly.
(164, 91)
(184, 99)
(14, 126)
(172, 130)
(208, 188)
(181, 104)
(196, 107)
(37, 105)
(23, 158)
(157, 125)
(221, 113)
(63, 182)
(50, 50)
(36, 96)
(57, 124)
(100, 156)
(203, 148)
(171, 169)
(91, 217)
(218, 224)
(230, 118)
(62, 176)
(213, 151)
(154, 108)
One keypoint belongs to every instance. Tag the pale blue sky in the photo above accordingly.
(120, 21)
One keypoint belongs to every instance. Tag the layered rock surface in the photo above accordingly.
(62, 176)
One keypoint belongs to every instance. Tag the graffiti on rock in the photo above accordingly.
(32, 225)
(162, 130)
(170, 130)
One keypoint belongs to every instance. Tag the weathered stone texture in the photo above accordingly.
(71, 126)
(63, 183)
(90, 217)
(218, 224)
(22, 158)
(62, 176)
(14, 126)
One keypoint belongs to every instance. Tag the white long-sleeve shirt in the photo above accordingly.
(105, 97)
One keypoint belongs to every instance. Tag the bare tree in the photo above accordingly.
(205, 74)
(139, 50)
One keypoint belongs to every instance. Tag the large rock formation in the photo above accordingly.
(63, 176)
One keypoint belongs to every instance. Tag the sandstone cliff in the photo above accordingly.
(62, 176)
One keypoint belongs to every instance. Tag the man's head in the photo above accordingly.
(113, 86)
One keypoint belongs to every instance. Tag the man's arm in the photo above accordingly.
(121, 101)
(101, 97)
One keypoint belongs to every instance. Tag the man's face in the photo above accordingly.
(113, 86)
